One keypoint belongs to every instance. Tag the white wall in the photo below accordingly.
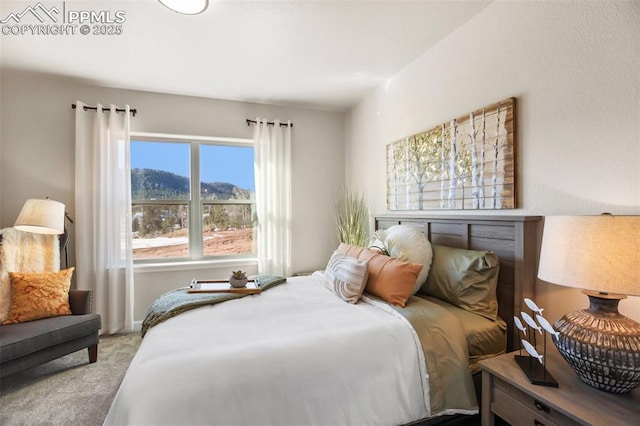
(37, 145)
(574, 68)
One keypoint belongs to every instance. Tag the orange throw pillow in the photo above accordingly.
(390, 279)
(39, 295)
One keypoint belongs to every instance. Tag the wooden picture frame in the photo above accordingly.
(468, 163)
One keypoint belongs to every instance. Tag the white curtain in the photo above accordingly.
(272, 153)
(104, 260)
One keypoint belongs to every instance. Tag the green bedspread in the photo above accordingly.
(446, 356)
(180, 300)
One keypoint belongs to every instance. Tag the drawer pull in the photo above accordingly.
(540, 406)
(537, 423)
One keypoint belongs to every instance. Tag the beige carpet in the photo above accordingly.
(69, 390)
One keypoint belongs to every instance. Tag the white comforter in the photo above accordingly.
(293, 355)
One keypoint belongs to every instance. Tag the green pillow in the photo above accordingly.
(464, 278)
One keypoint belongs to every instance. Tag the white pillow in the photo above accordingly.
(346, 276)
(408, 243)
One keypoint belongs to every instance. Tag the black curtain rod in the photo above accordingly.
(133, 111)
(269, 123)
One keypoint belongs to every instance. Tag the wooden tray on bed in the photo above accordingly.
(221, 286)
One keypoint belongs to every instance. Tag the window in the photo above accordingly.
(192, 198)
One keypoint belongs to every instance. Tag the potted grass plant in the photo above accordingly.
(352, 219)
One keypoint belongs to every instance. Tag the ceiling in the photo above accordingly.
(321, 54)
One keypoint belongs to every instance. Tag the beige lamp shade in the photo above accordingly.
(41, 217)
(598, 253)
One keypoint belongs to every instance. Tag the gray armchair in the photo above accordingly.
(32, 343)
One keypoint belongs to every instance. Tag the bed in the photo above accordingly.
(296, 354)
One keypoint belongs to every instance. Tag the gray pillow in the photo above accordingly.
(464, 278)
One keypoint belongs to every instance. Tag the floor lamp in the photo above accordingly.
(44, 217)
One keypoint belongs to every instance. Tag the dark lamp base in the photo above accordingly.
(537, 374)
(601, 345)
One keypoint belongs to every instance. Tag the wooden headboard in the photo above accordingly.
(512, 238)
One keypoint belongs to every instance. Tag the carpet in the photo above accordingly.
(69, 390)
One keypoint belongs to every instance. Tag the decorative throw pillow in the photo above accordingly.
(390, 279)
(39, 295)
(465, 278)
(408, 243)
(26, 252)
(346, 276)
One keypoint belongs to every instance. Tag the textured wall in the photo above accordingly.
(575, 70)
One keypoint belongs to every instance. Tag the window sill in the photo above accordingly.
(190, 265)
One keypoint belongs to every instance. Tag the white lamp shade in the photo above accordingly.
(188, 7)
(41, 217)
(598, 253)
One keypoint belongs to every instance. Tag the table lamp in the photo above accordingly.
(601, 255)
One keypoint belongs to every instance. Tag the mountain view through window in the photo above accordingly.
(174, 218)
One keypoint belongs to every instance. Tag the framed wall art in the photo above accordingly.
(468, 163)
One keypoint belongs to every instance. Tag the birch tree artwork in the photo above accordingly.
(462, 164)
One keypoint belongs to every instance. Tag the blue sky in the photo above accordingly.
(231, 164)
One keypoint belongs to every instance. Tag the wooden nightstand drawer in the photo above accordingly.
(507, 393)
(519, 408)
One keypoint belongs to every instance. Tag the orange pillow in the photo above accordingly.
(390, 279)
(39, 295)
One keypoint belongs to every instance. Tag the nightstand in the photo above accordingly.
(508, 394)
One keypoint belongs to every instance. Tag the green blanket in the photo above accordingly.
(180, 300)
(446, 356)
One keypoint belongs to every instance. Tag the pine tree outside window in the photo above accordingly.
(192, 198)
